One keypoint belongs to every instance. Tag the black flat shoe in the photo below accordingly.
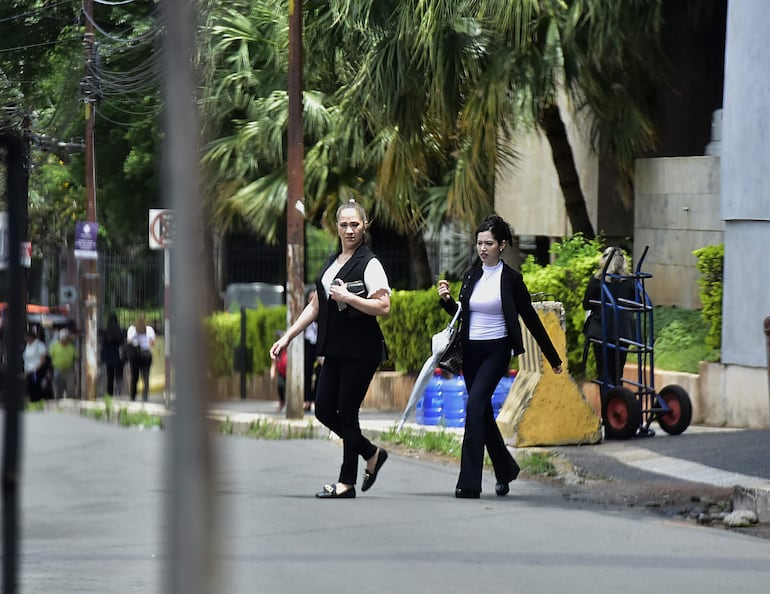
(502, 489)
(370, 477)
(330, 492)
(466, 494)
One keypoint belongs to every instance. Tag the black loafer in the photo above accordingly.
(370, 477)
(466, 494)
(502, 489)
(330, 492)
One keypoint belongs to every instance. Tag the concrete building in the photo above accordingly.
(706, 184)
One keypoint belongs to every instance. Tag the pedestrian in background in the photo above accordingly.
(312, 363)
(64, 355)
(36, 366)
(493, 296)
(113, 355)
(352, 290)
(141, 337)
(278, 375)
(621, 286)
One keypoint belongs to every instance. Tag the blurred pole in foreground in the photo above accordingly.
(191, 568)
(295, 217)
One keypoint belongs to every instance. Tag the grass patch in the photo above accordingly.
(537, 463)
(139, 418)
(680, 340)
(96, 414)
(35, 406)
(264, 429)
(440, 442)
(449, 445)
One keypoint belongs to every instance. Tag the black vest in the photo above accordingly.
(349, 333)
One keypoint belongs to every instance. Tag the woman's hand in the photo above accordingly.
(557, 369)
(278, 346)
(339, 291)
(443, 290)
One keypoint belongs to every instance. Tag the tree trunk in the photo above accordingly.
(419, 254)
(564, 161)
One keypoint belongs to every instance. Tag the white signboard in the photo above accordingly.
(161, 228)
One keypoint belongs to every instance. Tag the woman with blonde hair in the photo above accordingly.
(621, 286)
(140, 337)
(352, 291)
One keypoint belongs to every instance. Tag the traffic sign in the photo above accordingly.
(161, 228)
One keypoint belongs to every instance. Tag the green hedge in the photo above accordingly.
(415, 317)
(224, 334)
(710, 264)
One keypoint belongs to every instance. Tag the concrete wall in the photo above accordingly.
(746, 184)
(527, 192)
(676, 212)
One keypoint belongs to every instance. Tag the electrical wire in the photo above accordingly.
(43, 9)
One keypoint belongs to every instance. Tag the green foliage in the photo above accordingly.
(537, 463)
(437, 442)
(38, 406)
(575, 260)
(224, 334)
(415, 316)
(265, 429)
(710, 264)
(680, 340)
(140, 418)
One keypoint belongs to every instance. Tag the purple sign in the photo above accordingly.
(85, 240)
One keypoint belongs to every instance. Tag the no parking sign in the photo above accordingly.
(161, 228)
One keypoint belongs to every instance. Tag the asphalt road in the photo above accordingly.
(94, 494)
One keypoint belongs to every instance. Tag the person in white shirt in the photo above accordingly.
(140, 338)
(493, 297)
(35, 359)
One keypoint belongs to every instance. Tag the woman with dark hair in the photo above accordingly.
(493, 297)
(352, 291)
(113, 354)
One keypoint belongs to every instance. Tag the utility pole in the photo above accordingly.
(89, 280)
(17, 180)
(295, 217)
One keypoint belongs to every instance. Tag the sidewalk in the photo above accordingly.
(719, 457)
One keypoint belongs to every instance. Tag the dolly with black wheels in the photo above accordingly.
(630, 407)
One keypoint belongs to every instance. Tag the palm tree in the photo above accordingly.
(409, 102)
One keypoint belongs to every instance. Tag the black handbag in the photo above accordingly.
(451, 360)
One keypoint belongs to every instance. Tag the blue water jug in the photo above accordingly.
(501, 391)
(430, 405)
(455, 401)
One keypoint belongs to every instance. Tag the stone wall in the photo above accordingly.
(676, 211)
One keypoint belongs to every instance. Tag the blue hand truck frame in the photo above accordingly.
(629, 408)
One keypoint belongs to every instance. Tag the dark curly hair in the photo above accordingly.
(500, 230)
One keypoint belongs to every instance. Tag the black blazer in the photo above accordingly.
(516, 302)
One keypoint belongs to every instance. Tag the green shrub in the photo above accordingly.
(680, 340)
(415, 316)
(223, 331)
(565, 280)
(710, 264)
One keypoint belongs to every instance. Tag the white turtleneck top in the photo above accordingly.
(486, 307)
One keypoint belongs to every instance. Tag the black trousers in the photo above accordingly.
(614, 368)
(309, 370)
(342, 387)
(114, 378)
(140, 365)
(484, 364)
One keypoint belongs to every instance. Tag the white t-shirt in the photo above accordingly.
(374, 277)
(143, 341)
(33, 355)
